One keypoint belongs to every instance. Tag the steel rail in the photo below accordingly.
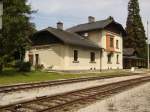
(12, 88)
(52, 103)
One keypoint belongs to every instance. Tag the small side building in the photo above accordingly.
(131, 59)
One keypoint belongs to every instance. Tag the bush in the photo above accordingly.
(10, 64)
(23, 66)
(39, 67)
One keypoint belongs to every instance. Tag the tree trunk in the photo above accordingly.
(1, 67)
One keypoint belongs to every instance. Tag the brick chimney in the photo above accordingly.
(111, 18)
(91, 19)
(60, 25)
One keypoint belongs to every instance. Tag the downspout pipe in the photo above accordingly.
(101, 54)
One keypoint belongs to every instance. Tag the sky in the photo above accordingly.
(73, 12)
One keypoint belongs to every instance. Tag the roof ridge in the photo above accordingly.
(86, 23)
(90, 26)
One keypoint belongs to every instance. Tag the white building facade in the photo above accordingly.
(97, 48)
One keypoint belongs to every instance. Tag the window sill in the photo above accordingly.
(92, 62)
(75, 61)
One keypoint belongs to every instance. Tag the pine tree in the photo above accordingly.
(136, 37)
(16, 29)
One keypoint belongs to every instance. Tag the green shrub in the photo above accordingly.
(23, 66)
(10, 64)
(39, 67)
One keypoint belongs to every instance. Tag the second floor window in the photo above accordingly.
(117, 44)
(111, 42)
(92, 56)
(75, 55)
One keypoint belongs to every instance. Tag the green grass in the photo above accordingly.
(10, 76)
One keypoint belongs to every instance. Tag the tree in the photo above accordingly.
(16, 29)
(136, 37)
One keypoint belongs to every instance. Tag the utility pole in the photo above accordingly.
(148, 44)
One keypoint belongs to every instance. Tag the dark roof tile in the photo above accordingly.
(128, 51)
(90, 26)
(96, 26)
(71, 38)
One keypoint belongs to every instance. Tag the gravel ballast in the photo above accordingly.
(135, 100)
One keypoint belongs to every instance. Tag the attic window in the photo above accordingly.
(85, 34)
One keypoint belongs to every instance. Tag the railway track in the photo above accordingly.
(66, 101)
(12, 88)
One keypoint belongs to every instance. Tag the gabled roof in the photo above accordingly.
(70, 38)
(95, 25)
(133, 57)
(129, 51)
